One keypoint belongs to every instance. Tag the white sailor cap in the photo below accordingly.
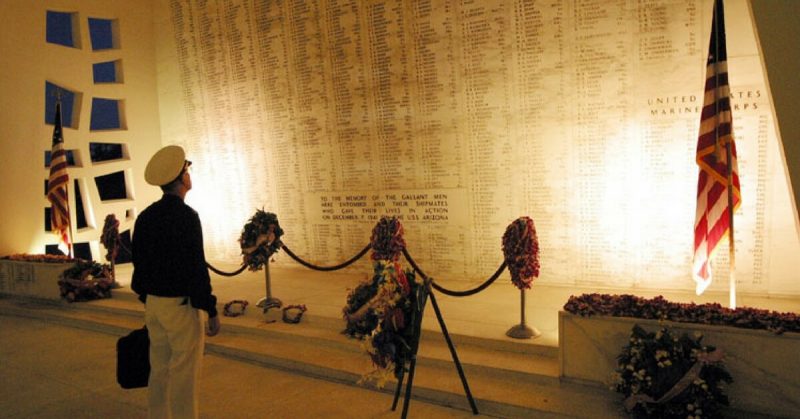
(166, 165)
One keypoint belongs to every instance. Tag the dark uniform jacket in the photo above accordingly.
(168, 256)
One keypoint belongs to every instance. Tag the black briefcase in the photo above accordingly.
(133, 359)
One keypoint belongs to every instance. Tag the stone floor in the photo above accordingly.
(54, 371)
(58, 358)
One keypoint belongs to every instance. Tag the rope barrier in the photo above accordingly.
(325, 268)
(125, 248)
(451, 293)
(208, 265)
(234, 273)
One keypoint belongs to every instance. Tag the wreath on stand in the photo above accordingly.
(260, 239)
(110, 237)
(382, 311)
(111, 241)
(521, 252)
(386, 241)
(667, 376)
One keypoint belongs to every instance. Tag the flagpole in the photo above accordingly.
(731, 248)
(719, 22)
(66, 187)
(69, 228)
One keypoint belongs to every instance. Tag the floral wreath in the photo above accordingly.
(382, 311)
(228, 309)
(39, 258)
(110, 237)
(86, 280)
(260, 239)
(387, 241)
(659, 308)
(298, 309)
(662, 375)
(521, 251)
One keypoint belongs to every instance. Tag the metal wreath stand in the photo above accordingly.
(425, 293)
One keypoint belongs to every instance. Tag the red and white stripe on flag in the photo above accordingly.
(57, 183)
(713, 216)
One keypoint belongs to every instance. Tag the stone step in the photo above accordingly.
(506, 379)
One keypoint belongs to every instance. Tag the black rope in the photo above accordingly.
(125, 248)
(451, 293)
(208, 265)
(234, 273)
(325, 268)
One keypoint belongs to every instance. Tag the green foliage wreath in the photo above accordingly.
(260, 239)
(667, 376)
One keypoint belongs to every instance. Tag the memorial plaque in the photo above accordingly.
(458, 116)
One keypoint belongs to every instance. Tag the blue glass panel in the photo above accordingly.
(105, 114)
(124, 255)
(80, 215)
(59, 28)
(105, 72)
(100, 34)
(105, 151)
(82, 251)
(67, 104)
(52, 249)
(47, 224)
(111, 186)
(70, 158)
(79, 250)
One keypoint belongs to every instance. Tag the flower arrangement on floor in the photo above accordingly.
(86, 280)
(293, 313)
(230, 311)
(260, 239)
(667, 376)
(521, 251)
(659, 308)
(25, 257)
(382, 311)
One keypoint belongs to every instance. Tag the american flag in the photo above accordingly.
(57, 183)
(716, 156)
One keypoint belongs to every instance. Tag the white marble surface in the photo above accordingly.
(764, 366)
(31, 279)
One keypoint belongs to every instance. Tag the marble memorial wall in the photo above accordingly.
(459, 116)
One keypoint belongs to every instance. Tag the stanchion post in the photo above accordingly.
(268, 302)
(114, 283)
(267, 280)
(522, 330)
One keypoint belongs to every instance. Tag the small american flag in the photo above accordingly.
(57, 182)
(716, 156)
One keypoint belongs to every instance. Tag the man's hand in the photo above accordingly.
(212, 327)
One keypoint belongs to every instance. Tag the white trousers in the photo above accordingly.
(177, 340)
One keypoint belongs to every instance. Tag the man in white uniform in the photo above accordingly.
(171, 278)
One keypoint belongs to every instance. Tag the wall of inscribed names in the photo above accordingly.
(459, 116)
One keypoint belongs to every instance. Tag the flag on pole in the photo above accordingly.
(57, 183)
(718, 192)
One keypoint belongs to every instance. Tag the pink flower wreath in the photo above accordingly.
(521, 251)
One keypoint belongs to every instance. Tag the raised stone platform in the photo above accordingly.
(766, 377)
(32, 279)
(507, 377)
